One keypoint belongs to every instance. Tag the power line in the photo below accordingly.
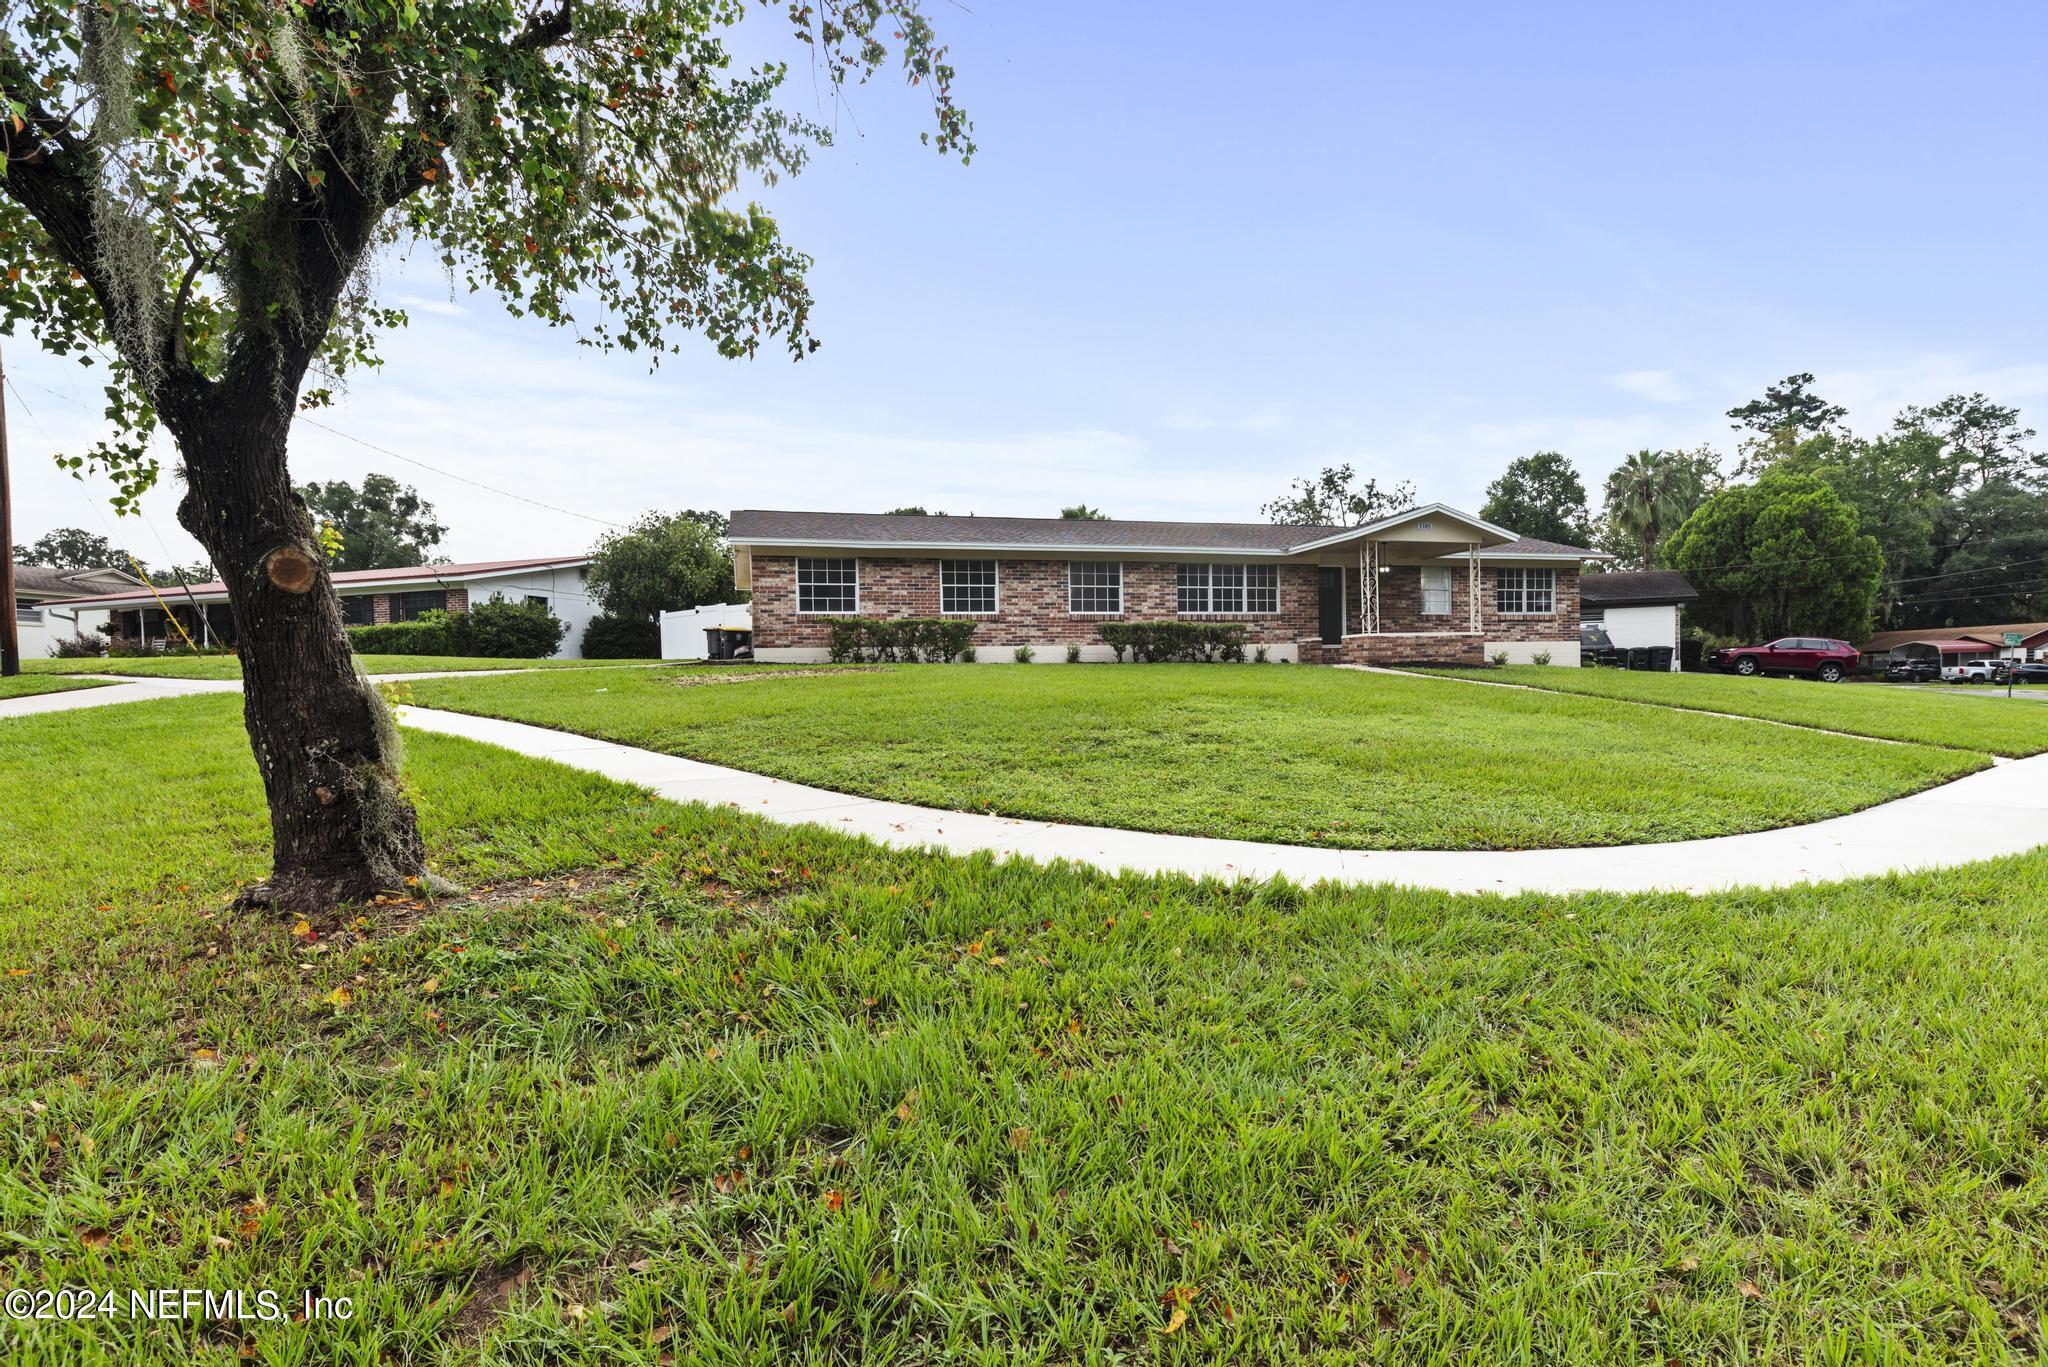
(381, 450)
(465, 479)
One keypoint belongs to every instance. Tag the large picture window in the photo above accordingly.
(407, 607)
(967, 587)
(1436, 590)
(1213, 589)
(358, 609)
(827, 585)
(1095, 588)
(1525, 593)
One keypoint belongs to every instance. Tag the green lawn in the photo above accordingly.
(1298, 755)
(679, 1084)
(228, 667)
(26, 685)
(1931, 716)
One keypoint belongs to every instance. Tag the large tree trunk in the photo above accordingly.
(325, 743)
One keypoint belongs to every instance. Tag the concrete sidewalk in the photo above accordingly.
(1993, 812)
(1997, 811)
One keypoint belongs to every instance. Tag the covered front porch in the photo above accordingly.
(205, 625)
(1386, 595)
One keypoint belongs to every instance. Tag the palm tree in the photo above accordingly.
(1649, 494)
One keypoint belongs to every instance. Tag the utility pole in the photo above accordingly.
(10, 625)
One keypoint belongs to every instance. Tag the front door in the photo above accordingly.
(1330, 602)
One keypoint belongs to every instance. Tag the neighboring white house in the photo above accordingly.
(367, 597)
(1636, 607)
(46, 607)
(682, 633)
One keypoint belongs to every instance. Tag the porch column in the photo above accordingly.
(1472, 592)
(1369, 587)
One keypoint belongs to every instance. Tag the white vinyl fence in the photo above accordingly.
(682, 633)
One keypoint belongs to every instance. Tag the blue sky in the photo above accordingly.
(1205, 249)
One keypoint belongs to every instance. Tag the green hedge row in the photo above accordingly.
(496, 630)
(1176, 642)
(897, 640)
(621, 638)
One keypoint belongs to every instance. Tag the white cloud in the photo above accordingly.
(420, 303)
(1658, 386)
(1875, 396)
(1264, 420)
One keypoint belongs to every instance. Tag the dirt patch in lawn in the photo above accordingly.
(699, 680)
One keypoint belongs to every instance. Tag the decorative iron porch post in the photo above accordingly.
(1472, 591)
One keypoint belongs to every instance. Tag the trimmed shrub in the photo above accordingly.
(898, 640)
(496, 630)
(1176, 642)
(1073, 655)
(621, 638)
(430, 635)
(1023, 654)
(1499, 657)
(500, 630)
(82, 647)
(1541, 657)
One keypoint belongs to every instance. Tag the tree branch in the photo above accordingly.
(546, 28)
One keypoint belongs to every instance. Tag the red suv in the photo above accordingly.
(1817, 656)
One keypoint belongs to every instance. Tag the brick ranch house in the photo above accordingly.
(367, 597)
(1430, 584)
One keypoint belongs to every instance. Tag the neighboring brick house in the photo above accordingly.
(1428, 585)
(367, 596)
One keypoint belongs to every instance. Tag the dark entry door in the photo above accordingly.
(1330, 602)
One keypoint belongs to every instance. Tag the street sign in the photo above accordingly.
(2013, 638)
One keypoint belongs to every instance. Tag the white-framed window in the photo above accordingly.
(967, 587)
(1095, 587)
(1525, 593)
(1262, 588)
(827, 585)
(1200, 589)
(1436, 590)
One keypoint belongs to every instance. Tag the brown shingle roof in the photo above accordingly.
(1529, 545)
(771, 527)
(763, 526)
(1635, 588)
(41, 582)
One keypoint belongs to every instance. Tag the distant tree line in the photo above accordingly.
(1939, 520)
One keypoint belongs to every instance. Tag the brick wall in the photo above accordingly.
(1033, 597)
(1031, 593)
(1394, 648)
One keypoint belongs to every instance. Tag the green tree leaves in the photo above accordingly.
(383, 525)
(1784, 555)
(1337, 498)
(1540, 496)
(665, 562)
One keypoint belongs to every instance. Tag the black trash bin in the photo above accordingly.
(728, 643)
(1660, 659)
(1639, 657)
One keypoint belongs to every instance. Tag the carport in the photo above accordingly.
(1943, 651)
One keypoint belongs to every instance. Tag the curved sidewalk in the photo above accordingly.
(1996, 811)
